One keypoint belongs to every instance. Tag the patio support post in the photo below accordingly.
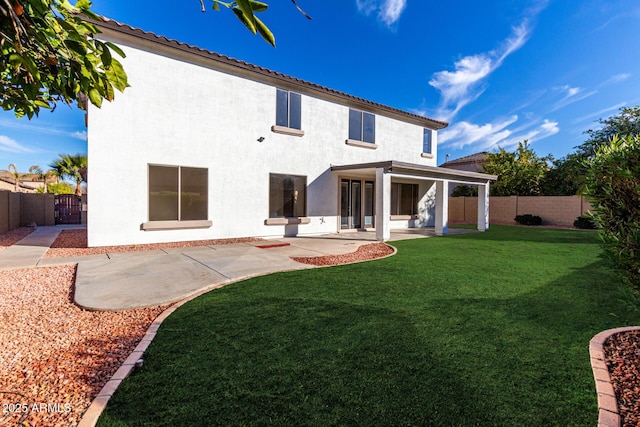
(442, 207)
(483, 207)
(383, 205)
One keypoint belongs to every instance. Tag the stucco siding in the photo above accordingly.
(184, 114)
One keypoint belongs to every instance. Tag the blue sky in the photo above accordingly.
(498, 71)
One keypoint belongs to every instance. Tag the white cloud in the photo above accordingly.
(615, 79)
(32, 127)
(387, 11)
(571, 95)
(12, 146)
(462, 134)
(600, 113)
(496, 134)
(465, 84)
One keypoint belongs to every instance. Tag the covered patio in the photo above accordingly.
(385, 173)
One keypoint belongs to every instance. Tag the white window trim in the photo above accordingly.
(174, 225)
(355, 143)
(287, 131)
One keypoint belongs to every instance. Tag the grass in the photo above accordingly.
(485, 329)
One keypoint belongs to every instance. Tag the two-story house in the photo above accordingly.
(203, 146)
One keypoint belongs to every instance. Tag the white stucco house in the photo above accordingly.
(203, 146)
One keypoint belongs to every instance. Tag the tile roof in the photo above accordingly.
(267, 74)
(472, 158)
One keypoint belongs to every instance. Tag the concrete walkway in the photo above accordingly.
(128, 280)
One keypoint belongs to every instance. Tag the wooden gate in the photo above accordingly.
(68, 209)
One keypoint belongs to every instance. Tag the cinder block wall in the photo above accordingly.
(14, 210)
(554, 210)
(38, 208)
(4, 211)
(19, 209)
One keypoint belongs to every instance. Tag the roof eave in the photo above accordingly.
(116, 30)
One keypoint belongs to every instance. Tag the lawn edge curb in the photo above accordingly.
(99, 403)
(608, 412)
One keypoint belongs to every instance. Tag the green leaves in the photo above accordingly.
(245, 11)
(613, 189)
(49, 55)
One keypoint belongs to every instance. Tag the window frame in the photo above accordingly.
(284, 215)
(397, 199)
(357, 125)
(286, 125)
(360, 116)
(427, 141)
(200, 221)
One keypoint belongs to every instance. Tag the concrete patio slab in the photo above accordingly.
(140, 280)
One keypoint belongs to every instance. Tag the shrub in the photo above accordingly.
(464, 191)
(613, 189)
(585, 222)
(528, 219)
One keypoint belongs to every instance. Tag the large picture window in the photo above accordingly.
(288, 109)
(362, 126)
(404, 199)
(287, 196)
(178, 193)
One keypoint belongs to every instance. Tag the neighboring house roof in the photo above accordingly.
(472, 159)
(235, 66)
(8, 183)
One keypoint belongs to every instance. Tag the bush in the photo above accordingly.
(585, 222)
(613, 189)
(528, 219)
(464, 191)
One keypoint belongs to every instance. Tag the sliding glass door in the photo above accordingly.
(356, 204)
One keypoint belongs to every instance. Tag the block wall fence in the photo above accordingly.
(554, 210)
(20, 209)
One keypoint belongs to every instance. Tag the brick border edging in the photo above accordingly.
(99, 403)
(608, 413)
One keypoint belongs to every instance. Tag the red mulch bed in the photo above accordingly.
(12, 237)
(622, 353)
(363, 253)
(56, 355)
(74, 243)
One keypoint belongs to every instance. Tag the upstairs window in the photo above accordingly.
(288, 109)
(362, 126)
(426, 141)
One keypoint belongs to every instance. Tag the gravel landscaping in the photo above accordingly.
(623, 360)
(74, 243)
(13, 236)
(54, 354)
(363, 253)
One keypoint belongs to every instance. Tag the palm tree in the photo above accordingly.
(72, 166)
(16, 175)
(42, 175)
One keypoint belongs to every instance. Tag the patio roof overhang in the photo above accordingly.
(418, 171)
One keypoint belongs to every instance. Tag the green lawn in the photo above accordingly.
(483, 329)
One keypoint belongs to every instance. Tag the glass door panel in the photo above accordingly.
(356, 204)
(344, 203)
(368, 204)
